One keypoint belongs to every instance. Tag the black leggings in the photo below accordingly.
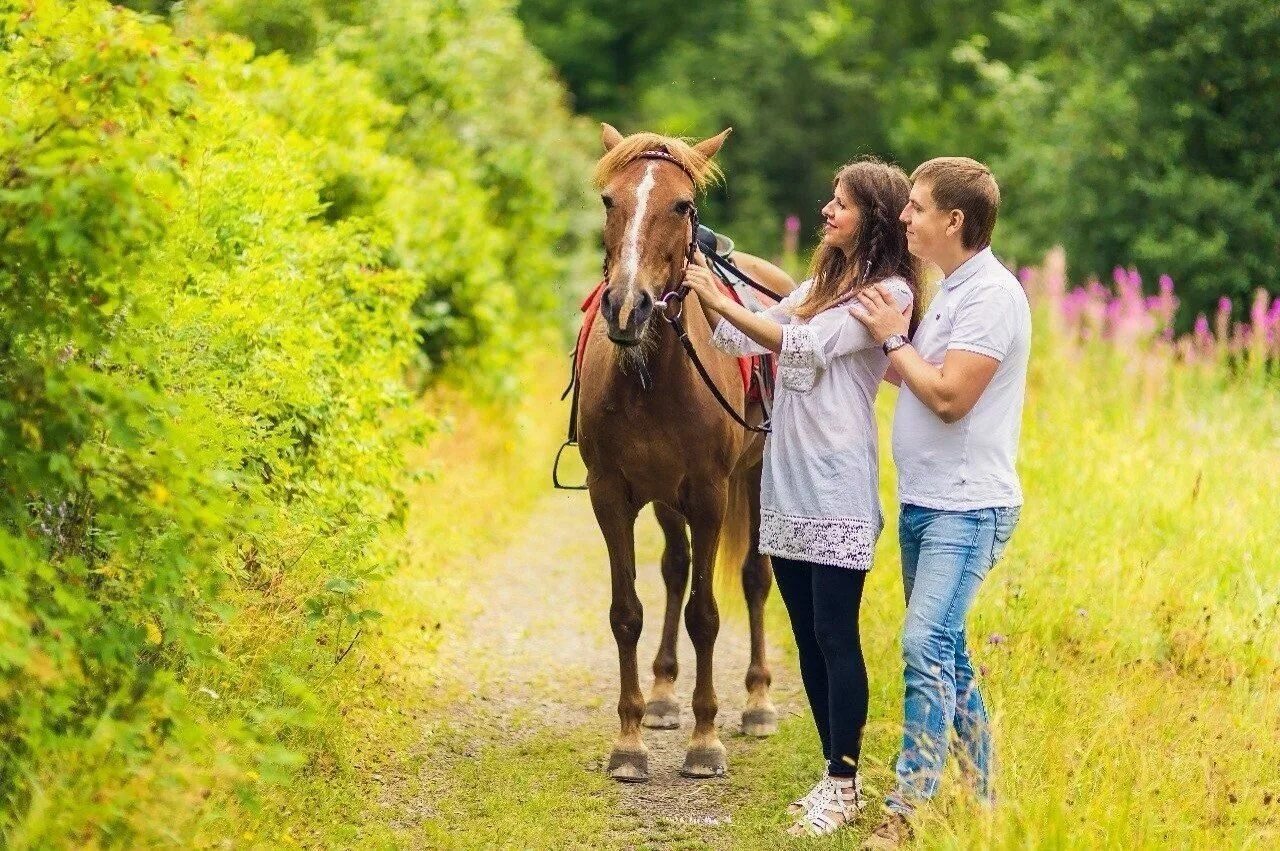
(823, 603)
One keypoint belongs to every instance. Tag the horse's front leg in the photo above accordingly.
(706, 755)
(759, 716)
(617, 517)
(662, 712)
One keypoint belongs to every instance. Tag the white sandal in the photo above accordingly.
(836, 805)
(800, 806)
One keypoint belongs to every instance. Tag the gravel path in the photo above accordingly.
(539, 656)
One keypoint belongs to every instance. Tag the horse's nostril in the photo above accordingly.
(644, 302)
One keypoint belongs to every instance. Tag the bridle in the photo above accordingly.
(672, 294)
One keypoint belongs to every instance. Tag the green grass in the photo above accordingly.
(1130, 637)
(1134, 678)
(536, 793)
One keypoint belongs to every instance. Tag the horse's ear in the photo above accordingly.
(709, 147)
(609, 135)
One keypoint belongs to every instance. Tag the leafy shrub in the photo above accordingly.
(481, 166)
(217, 273)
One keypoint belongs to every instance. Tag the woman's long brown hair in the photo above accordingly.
(879, 251)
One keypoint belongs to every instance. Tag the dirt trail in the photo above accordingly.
(539, 656)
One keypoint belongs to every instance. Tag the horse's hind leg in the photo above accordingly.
(662, 712)
(616, 517)
(759, 716)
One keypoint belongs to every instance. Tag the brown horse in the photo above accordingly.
(651, 432)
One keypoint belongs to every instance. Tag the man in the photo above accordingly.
(955, 441)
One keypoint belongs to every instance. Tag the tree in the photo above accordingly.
(1150, 147)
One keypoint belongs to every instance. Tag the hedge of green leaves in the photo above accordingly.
(216, 273)
(482, 178)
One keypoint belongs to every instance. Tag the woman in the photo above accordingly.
(820, 506)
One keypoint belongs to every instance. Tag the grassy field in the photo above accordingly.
(1130, 638)
(1130, 643)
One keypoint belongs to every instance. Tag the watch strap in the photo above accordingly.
(894, 343)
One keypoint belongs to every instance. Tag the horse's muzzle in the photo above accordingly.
(626, 331)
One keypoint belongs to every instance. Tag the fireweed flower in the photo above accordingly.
(1124, 314)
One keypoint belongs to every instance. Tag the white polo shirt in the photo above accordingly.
(969, 464)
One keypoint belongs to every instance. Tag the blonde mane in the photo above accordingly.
(704, 170)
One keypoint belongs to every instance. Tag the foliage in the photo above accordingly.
(1146, 146)
(215, 269)
(482, 175)
(1160, 141)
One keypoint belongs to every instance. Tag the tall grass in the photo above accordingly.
(1130, 638)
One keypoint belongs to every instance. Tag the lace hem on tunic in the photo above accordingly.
(841, 542)
(730, 340)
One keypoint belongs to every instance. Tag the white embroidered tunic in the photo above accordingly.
(819, 498)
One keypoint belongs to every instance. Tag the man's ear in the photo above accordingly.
(955, 222)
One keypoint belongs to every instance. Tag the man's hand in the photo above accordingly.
(877, 310)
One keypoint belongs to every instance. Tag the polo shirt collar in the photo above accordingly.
(968, 268)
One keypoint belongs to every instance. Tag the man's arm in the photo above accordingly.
(950, 391)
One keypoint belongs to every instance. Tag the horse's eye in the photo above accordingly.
(608, 202)
(683, 208)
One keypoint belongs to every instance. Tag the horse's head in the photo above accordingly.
(649, 185)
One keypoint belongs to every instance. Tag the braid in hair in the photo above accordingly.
(875, 245)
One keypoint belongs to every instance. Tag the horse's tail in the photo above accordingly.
(735, 536)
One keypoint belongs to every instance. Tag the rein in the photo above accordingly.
(671, 296)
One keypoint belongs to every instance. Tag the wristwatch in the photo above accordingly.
(894, 343)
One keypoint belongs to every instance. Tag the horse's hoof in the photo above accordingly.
(705, 762)
(661, 715)
(760, 722)
(629, 766)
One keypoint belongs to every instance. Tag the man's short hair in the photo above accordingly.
(959, 183)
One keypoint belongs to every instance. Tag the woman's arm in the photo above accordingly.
(716, 305)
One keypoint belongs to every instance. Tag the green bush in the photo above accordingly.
(1150, 147)
(217, 273)
(481, 178)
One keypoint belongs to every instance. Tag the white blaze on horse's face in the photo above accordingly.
(630, 265)
(646, 234)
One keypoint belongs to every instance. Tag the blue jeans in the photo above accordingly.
(945, 557)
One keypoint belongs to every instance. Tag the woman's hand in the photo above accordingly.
(699, 279)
